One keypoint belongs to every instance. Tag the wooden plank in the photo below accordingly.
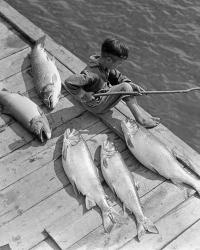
(170, 226)
(33, 33)
(95, 237)
(188, 239)
(25, 231)
(11, 42)
(14, 63)
(29, 158)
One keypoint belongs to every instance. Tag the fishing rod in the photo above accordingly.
(150, 92)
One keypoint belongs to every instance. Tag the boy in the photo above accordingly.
(101, 76)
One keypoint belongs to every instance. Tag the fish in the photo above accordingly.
(26, 112)
(121, 182)
(45, 74)
(82, 174)
(154, 155)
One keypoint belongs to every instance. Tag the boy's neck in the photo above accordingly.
(102, 63)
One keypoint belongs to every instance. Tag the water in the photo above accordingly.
(164, 41)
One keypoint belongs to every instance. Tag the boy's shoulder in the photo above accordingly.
(93, 61)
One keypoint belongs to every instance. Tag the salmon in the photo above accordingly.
(82, 173)
(27, 113)
(45, 74)
(121, 181)
(153, 154)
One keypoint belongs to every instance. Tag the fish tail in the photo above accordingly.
(41, 41)
(146, 225)
(110, 217)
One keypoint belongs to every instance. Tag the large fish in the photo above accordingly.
(27, 113)
(45, 75)
(120, 180)
(153, 154)
(82, 173)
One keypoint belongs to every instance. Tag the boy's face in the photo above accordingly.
(113, 62)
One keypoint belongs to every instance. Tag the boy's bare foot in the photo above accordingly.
(141, 116)
(148, 121)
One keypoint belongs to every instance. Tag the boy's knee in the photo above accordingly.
(127, 87)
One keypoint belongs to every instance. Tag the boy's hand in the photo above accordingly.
(87, 97)
(137, 88)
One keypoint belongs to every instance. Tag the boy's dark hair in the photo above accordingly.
(112, 46)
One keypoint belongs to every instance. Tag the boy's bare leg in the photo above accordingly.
(141, 117)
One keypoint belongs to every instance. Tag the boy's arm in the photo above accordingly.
(116, 77)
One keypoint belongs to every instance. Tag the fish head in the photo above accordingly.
(71, 137)
(129, 126)
(50, 96)
(40, 127)
(108, 147)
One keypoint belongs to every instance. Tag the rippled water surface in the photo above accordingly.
(164, 41)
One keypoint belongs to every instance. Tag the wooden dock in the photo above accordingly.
(38, 208)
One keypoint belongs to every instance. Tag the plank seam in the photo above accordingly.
(170, 241)
(15, 52)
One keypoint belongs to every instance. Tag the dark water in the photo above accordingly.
(164, 41)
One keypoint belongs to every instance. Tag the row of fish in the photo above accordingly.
(47, 82)
(151, 152)
(83, 175)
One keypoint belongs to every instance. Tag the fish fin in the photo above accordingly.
(109, 219)
(146, 225)
(76, 191)
(181, 158)
(89, 203)
(177, 183)
(154, 170)
(129, 143)
(99, 174)
(41, 41)
(197, 186)
(137, 185)
(41, 112)
(51, 58)
(105, 163)
(30, 72)
(4, 89)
